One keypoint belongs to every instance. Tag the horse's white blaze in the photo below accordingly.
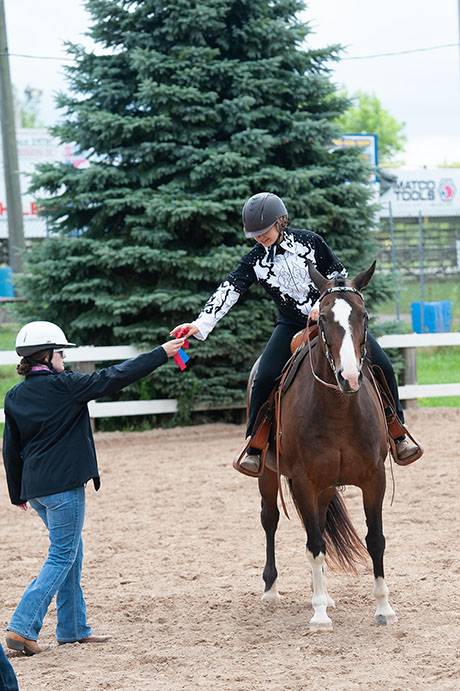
(383, 609)
(319, 600)
(348, 362)
(272, 596)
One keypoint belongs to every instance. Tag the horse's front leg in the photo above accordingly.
(269, 516)
(373, 494)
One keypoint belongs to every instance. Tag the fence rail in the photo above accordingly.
(88, 356)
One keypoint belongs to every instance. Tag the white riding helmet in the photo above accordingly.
(37, 336)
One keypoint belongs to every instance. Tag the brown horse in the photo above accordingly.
(333, 434)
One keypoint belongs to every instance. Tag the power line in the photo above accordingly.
(371, 56)
(401, 52)
(38, 57)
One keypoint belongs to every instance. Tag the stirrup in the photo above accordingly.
(237, 462)
(418, 453)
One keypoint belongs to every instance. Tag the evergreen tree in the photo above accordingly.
(191, 107)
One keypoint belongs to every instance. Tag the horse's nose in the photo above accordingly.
(349, 383)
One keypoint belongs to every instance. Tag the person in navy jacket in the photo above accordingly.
(49, 456)
(279, 263)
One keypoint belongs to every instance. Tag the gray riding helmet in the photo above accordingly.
(260, 212)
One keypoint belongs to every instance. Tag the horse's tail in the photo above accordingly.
(344, 549)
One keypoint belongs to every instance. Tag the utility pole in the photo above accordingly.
(458, 18)
(16, 244)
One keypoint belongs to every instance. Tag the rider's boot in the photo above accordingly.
(251, 460)
(407, 451)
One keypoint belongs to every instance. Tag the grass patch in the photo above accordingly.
(8, 375)
(438, 366)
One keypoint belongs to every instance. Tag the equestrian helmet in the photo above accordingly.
(260, 212)
(37, 336)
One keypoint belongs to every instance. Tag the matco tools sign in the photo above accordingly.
(34, 146)
(431, 191)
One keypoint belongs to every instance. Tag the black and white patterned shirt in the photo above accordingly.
(282, 270)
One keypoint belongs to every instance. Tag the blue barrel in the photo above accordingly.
(431, 317)
(6, 282)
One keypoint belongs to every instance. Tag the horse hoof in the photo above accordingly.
(271, 597)
(323, 624)
(385, 619)
(325, 627)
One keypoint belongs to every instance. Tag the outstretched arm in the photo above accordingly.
(222, 300)
(110, 380)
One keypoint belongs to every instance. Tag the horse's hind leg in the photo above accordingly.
(375, 540)
(269, 516)
(307, 503)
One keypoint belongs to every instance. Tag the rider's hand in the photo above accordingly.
(23, 507)
(314, 312)
(192, 330)
(172, 347)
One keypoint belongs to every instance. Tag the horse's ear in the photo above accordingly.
(361, 280)
(318, 279)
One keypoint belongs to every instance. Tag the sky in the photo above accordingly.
(421, 89)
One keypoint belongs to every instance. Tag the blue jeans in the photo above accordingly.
(8, 681)
(63, 514)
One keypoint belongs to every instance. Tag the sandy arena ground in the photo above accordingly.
(174, 556)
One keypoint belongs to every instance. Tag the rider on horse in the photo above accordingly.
(279, 262)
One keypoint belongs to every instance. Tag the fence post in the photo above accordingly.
(410, 373)
(86, 368)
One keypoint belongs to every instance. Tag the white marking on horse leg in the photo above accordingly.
(348, 362)
(320, 619)
(272, 596)
(330, 601)
(384, 613)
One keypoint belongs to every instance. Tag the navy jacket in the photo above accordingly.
(48, 443)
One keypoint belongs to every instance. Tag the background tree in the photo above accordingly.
(367, 115)
(190, 108)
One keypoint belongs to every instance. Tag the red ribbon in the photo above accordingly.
(177, 358)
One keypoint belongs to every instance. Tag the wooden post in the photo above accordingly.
(86, 368)
(410, 373)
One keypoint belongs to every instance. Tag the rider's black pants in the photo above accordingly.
(278, 351)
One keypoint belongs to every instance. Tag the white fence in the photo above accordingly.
(88, 356)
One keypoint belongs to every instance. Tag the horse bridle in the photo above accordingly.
(330, 359)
